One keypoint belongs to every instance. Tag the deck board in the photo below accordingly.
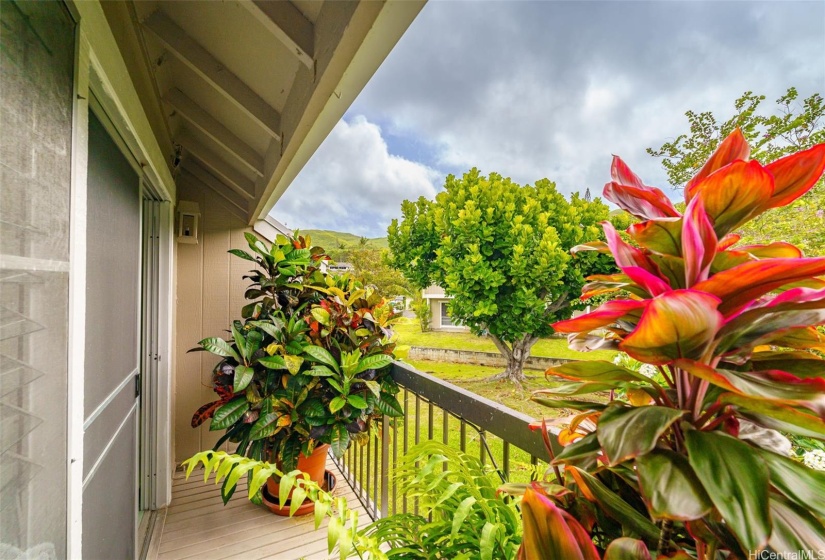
(198, 525)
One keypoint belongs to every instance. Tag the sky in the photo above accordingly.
(534, 89)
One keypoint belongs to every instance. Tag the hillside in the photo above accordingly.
(332, 240)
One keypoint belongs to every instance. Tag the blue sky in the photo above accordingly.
(547, 89)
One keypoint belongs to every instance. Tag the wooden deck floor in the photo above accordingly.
(198, 525)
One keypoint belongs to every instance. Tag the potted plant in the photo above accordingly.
(307, 367)
(730, 332)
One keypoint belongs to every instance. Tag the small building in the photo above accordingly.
(341, 268)
(440, 319)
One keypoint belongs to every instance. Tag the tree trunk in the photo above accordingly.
(515, 354)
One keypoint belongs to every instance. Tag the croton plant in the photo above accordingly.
(307, 365)
(731, 332)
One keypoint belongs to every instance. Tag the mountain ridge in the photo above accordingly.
(332, 240)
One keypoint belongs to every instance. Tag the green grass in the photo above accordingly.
(409, 333)
(471, 378)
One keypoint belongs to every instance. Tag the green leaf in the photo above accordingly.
(272, 362)
(273, 326)
(293, 363)
(626, 432)
(670, 486)
(314, 408)
(319, 370)
(334, 530)
(321, 510)
(571, 389)
(389, 406)
(265, 426)
(614, 506)
(229, 413)
(583, 449)
(374, 387)
(257, 481)
(487, 541)
(461, 513)
(256, 245)
(339, 440)
(337, 404)
(240, 342)
(809, 422)
(801, 484)
(625, 548)
(736, 479)
(242, 254)
(318, 354)
(285, 486)
(357, 401)
(596, 371)
(290, 452)
(321, 315)
(568, 403)
(243, 377)
(220, 347)
(373, 362)
(795, 530)
(298, 497)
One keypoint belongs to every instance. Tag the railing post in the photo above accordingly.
(385, 467)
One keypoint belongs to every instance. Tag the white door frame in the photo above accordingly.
(100, 69)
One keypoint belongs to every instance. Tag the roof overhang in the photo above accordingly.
(238, 95)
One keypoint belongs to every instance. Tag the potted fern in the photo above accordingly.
(306, 368)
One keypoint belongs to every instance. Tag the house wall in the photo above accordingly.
(208, 296)
(435, 316)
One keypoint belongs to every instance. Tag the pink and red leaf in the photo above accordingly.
(677, 324)
(732, 148)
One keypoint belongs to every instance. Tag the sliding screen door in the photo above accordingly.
(112, 348)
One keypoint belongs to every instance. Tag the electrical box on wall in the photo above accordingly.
(188, 221)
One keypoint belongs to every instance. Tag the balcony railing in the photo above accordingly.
(438, 410)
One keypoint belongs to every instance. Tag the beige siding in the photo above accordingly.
(434, 291)
(209, 295)
(435, 314)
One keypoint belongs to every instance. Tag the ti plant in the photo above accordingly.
(309, 363)
(730, 329)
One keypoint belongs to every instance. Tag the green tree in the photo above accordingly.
(794, 126)
(502, 251)
(372, 267)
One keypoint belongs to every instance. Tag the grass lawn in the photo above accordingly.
(409, 333)
(470, 377)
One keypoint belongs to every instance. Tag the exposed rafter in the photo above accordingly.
(194, 171)
(288, 25)
(198, 118)
(191, 53)
(233, 178)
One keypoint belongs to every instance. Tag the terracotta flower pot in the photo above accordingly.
(314, 466)
(272, 503)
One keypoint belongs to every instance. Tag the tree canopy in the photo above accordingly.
(502, 251)
(371, 266)
(794, 125)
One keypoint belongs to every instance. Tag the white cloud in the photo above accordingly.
(552, 89)
(353, 184)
